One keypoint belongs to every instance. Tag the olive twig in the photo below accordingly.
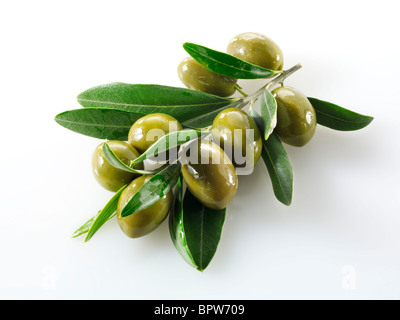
(278, 79)
(243, 104)
(283, 76)
(255, 95)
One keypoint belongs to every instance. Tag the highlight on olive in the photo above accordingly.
(145, 221)
(209, 174)
(239, 136)
(296, 118)
(106, 175)
(256, 49)
(148, 129)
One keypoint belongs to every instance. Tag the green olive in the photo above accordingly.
(210, 174)
(238, 134)
(148, 129)
(296, 118)
(106, 175)
(256, 49)
(194, 76)
(143, 222)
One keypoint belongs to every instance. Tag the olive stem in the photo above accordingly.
(254, 96)
(278, 79)
(239, 89)
(284, 75)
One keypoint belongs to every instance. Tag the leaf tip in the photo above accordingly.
(288, 203)
(88, 237)
(57, 117)
(185, 45)
(369, 120)
(126, 212)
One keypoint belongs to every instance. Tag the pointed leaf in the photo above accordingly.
(85, 227)
(99, 123)
(279, 167)
(176, 226)
(117, 163)
(196, 230)
(105, 214)
(278, 164)
(180, 103)
(169, 141)
(332, 116)
(153, 190)
(225, 64)
(268, 112)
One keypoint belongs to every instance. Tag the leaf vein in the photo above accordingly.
(92, 124)
(226, 65)
(152, 106)
(338, 118)
(201, 237)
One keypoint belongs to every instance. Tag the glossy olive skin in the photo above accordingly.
(256, 49)
(106, 175)
(148, 129)
(143, 222)
(210, 175)
(296, 118)
(194, 76)
(230, 129)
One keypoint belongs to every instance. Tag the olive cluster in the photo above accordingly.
(113, 179)
(296, 118)
(211, 176)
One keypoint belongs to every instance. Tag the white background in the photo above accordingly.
(339, 239)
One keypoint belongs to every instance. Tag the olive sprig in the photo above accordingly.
(113, 112)
(329, 114)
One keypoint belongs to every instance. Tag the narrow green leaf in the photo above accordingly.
(332, 116)
(196, 231)
(117, 163)
(175, 224)
(277, 162)
(99, 123)
(180, 103)
(279, 167)
(85, 227)
(169, 141)
(257, 118)
(225, 64)
(207, 119)
(105, 214)
(153, 190)
(268, 112)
